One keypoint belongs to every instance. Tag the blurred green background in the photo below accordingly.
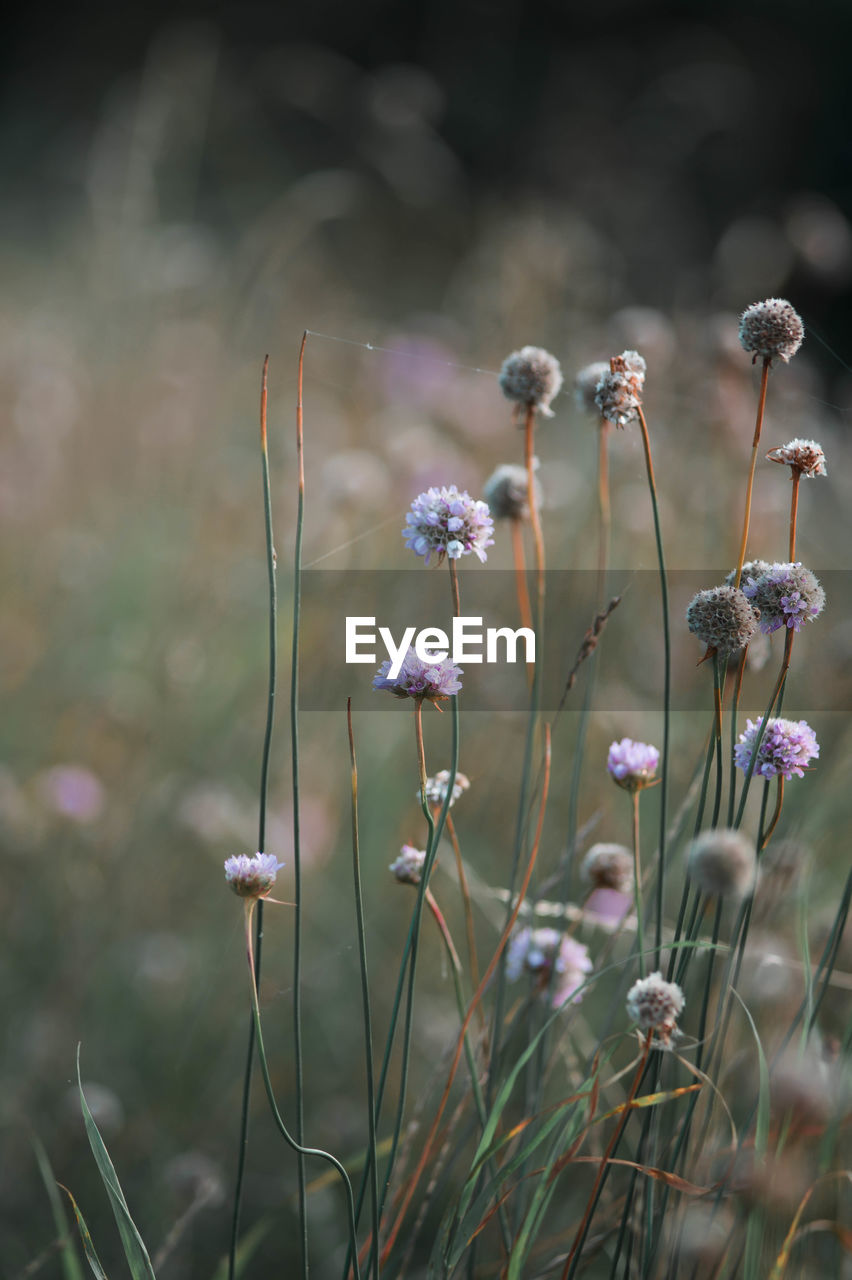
(190, 187)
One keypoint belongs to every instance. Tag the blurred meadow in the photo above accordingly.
(423, 205)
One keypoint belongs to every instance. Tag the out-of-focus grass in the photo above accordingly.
(133, 627)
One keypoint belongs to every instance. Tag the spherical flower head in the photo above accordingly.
(408, 867)
(619, 392)
(804, 456)
(608, 866)
(436, 788)
(507, 492)
(531, 377)
(545, 952)
(586, 386)
(431, 681)
(632, 764)
(723, 863)
(787, 595)
(787, 747)
(655, 1005)
(252, 877)
(751, 569)
(450, 523)
(723, 618)
(771, 329)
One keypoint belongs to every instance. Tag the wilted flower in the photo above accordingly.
(532, 377)
(632, 764)
(771, 328)
(436, 788)
(786, 595)
(586, 385)
(655, 1005)
(619, 392)
(786, 747)
(804, 456)
(542, 952)
(451, 523)
(608, 866)
(722, 618)
(408, 867)
(722, 862)
(506, 492)
(432, 681)
(252, 877)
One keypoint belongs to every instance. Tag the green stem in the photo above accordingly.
(637, 884)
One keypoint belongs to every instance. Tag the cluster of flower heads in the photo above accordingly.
(531, 377)
(449, 523)
(408, 867)
(632, 764)
(429, 681)
(656, 1005)
(507, 492)
(771, 329)
(558, 962)
(722, 862)
(252, 877)
(786, 748)
(618, 394)
(804, 456)
(723, 618)
(436, 788)
(787, 595)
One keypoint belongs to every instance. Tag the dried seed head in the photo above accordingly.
(408, 867)
(723, 618)
(586, 385)
(655, 1004)
(506, 491)
(787, 595)
(608, 866)
(804, 456)
(531, 377)
(619, 392)
(771, 329)
(436, 788)
(751, 569)
(723, 863)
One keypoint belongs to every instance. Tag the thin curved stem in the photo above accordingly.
(761, 407)
(637, 885)
(794, 511)
(535, 521)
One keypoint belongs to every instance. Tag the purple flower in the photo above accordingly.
(632, 764)
(417, 679)
(786, 747)
(252, 877)
(786, 595)
(451, 523)
(542, 952)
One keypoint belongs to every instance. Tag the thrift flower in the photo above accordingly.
(418, 679)
(632, 764)
(804, 456)
(722, 618)
(786, 595)
(608, 866)
(408, 867)
(507, 492)
(786, 747)
(586, 385)
(722, 863)
(436, 788)
(252, 877)
(450, 523)
(619, 392)
(771, 328)
(531, 377)
(655, 1004)
(542, 952)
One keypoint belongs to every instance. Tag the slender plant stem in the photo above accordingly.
(372, 1162)
(532, 500)
(524, 608)
(301, 1151)
(761, 407)
(718, 681)
(456, 970)
(261, 832)
(776, 814)
(776, 693)
(297, 842)
(467, 904)
(637, 884)
(454, 583)
(735, 707)
(667, 687)
(794, 511)
(604, 509)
